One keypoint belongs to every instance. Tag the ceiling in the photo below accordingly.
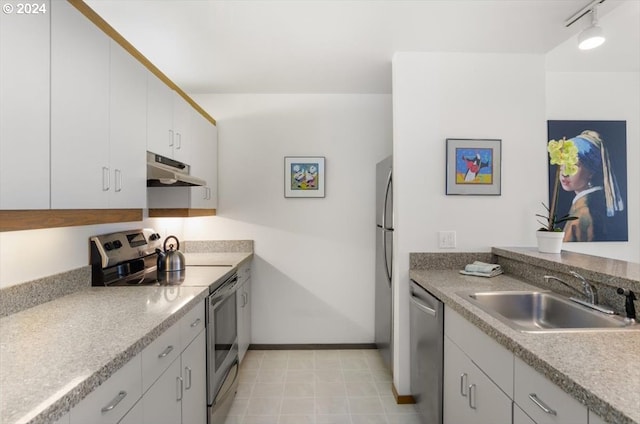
(328, 46)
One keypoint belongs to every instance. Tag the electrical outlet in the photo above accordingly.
(446, 239)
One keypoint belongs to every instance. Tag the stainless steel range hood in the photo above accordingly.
(166, 172)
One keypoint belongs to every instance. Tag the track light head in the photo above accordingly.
(592, 36)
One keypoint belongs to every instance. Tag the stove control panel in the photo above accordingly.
(114, 248)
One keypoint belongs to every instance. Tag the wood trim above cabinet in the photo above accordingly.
(180, 213)
(97, 20)
(17, 220)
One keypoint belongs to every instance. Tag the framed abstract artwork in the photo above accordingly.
(304, 176)
(473, 166)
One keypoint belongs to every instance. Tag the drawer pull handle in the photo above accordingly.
(472, 396)
(463, 384)
(195, 323)
(166, 352)
(534, 398)
(116, 400)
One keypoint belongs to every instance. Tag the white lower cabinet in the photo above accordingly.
(519, 417)
(469, 395)
(134, 416)
(165, 383)
(244, 309)
(161, 403)
(179, 395)
(485, 383)
(194, 375)
(108, 403)
(543, 401)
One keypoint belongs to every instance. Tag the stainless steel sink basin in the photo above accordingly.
(541, 311)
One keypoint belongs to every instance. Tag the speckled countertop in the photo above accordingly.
(600, 369)
(54, 354)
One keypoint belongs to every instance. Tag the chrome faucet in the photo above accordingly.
(588, 290)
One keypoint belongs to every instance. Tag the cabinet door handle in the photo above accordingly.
(106, 183)
(179, 388)
(472, 396)
(118, 178)
(116, 400)
(535, 399)
(195, 323)
(166, 352)
(179, 137)
(171, 138)
(204, 193)
(463, 384)
(187, 371)
(208, 193)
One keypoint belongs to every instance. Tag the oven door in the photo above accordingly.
(222, 336)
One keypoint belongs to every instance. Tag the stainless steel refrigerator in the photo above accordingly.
(384, 259)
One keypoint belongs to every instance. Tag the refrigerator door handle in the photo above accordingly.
(388, 266)
(384, 205)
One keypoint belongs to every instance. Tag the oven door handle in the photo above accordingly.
(219, 296)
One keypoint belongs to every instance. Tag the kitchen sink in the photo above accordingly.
(542, 311)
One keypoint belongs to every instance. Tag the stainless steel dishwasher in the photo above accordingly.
(427, 347)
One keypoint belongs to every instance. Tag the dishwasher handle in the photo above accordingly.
(424, 308)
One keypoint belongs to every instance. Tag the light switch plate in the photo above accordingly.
(446, 239)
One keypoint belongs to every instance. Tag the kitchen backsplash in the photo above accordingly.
(217, 246)
(32, 293)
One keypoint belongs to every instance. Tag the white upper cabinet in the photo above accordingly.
(24, 107)
(182, 123)
(160, 136)
(80, 171)
(205, 163)
(168, 121)
(98, 117)
(127, 130)
(203, 142)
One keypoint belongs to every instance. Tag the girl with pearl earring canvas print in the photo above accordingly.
(597, 194)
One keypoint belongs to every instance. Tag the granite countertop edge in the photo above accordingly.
(65, 402)
(504, 336)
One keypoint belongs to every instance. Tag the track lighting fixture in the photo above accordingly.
(592, 36)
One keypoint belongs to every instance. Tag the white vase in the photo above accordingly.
(550, 241)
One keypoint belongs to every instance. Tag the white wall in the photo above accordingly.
(455, 95)
(313, 273)
(604, 96)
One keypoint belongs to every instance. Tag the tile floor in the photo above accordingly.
(316, 387)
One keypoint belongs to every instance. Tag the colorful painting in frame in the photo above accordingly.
(599, 200)
(304, 176)
(473, 166)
